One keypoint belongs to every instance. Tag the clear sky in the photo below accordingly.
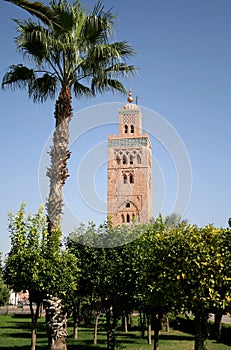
(184, 87)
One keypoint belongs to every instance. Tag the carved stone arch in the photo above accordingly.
(131, 159)
(131, 178)
(124, 159)
(133, 206)
(139, 159)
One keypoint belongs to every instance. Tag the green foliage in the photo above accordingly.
(72, 49)
(4, 290)
(35, 262)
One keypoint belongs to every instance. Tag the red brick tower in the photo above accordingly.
(129, 169)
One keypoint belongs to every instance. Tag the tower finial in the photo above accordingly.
(130, 98)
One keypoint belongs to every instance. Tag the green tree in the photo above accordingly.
(109, 272)
(32, 265)
(155, 299)
(4, 290)
(190, 266)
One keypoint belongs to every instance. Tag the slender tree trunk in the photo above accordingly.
(110, 332)
(125, 323)
(157, 327)
(200, 331)
(167, 323)
(75, 320)
(96, 329)
(142, 323)
(218, 325)
(129, 318)
(57, 173)
(149, 329)
(34, 321)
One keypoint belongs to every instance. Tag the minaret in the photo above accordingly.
(129, 169)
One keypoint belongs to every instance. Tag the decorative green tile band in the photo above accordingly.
(139, 141)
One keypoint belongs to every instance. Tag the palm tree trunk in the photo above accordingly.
(59, 153)
(56, 322)
(57, 173)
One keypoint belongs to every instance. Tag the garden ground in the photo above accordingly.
(15, 334)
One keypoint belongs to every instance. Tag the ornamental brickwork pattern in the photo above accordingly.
(129, 170)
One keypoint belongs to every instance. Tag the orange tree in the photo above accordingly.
(31, 266)
(188, 269)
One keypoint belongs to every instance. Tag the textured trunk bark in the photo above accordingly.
(200, 331)
(34, 320)
(56, 323)
(57, 173)
(59, 154)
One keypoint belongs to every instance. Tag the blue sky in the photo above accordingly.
(184, 59)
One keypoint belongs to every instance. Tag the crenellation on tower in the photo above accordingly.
(129, 169)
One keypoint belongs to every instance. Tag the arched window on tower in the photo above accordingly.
(128, 218)
(118, 160)
(125, 129)
(131, 179)
(124, 159)
(132, 129)
(122, 218)
(125, 178)
(127, 205)
(131, 159)
(138, 159)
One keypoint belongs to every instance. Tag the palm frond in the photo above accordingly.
(33, 40)
(18, 76)
(81, 90)
(110, 52)
(121, 69)
(98, 25)
(37, 9)
(105, 84)
(42, 88)
(77, 49)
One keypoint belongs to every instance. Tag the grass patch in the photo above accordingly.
(15, 334)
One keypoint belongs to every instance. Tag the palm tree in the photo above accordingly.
(76, 57)
(72, 55)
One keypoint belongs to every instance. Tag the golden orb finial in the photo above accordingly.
(130, 98)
